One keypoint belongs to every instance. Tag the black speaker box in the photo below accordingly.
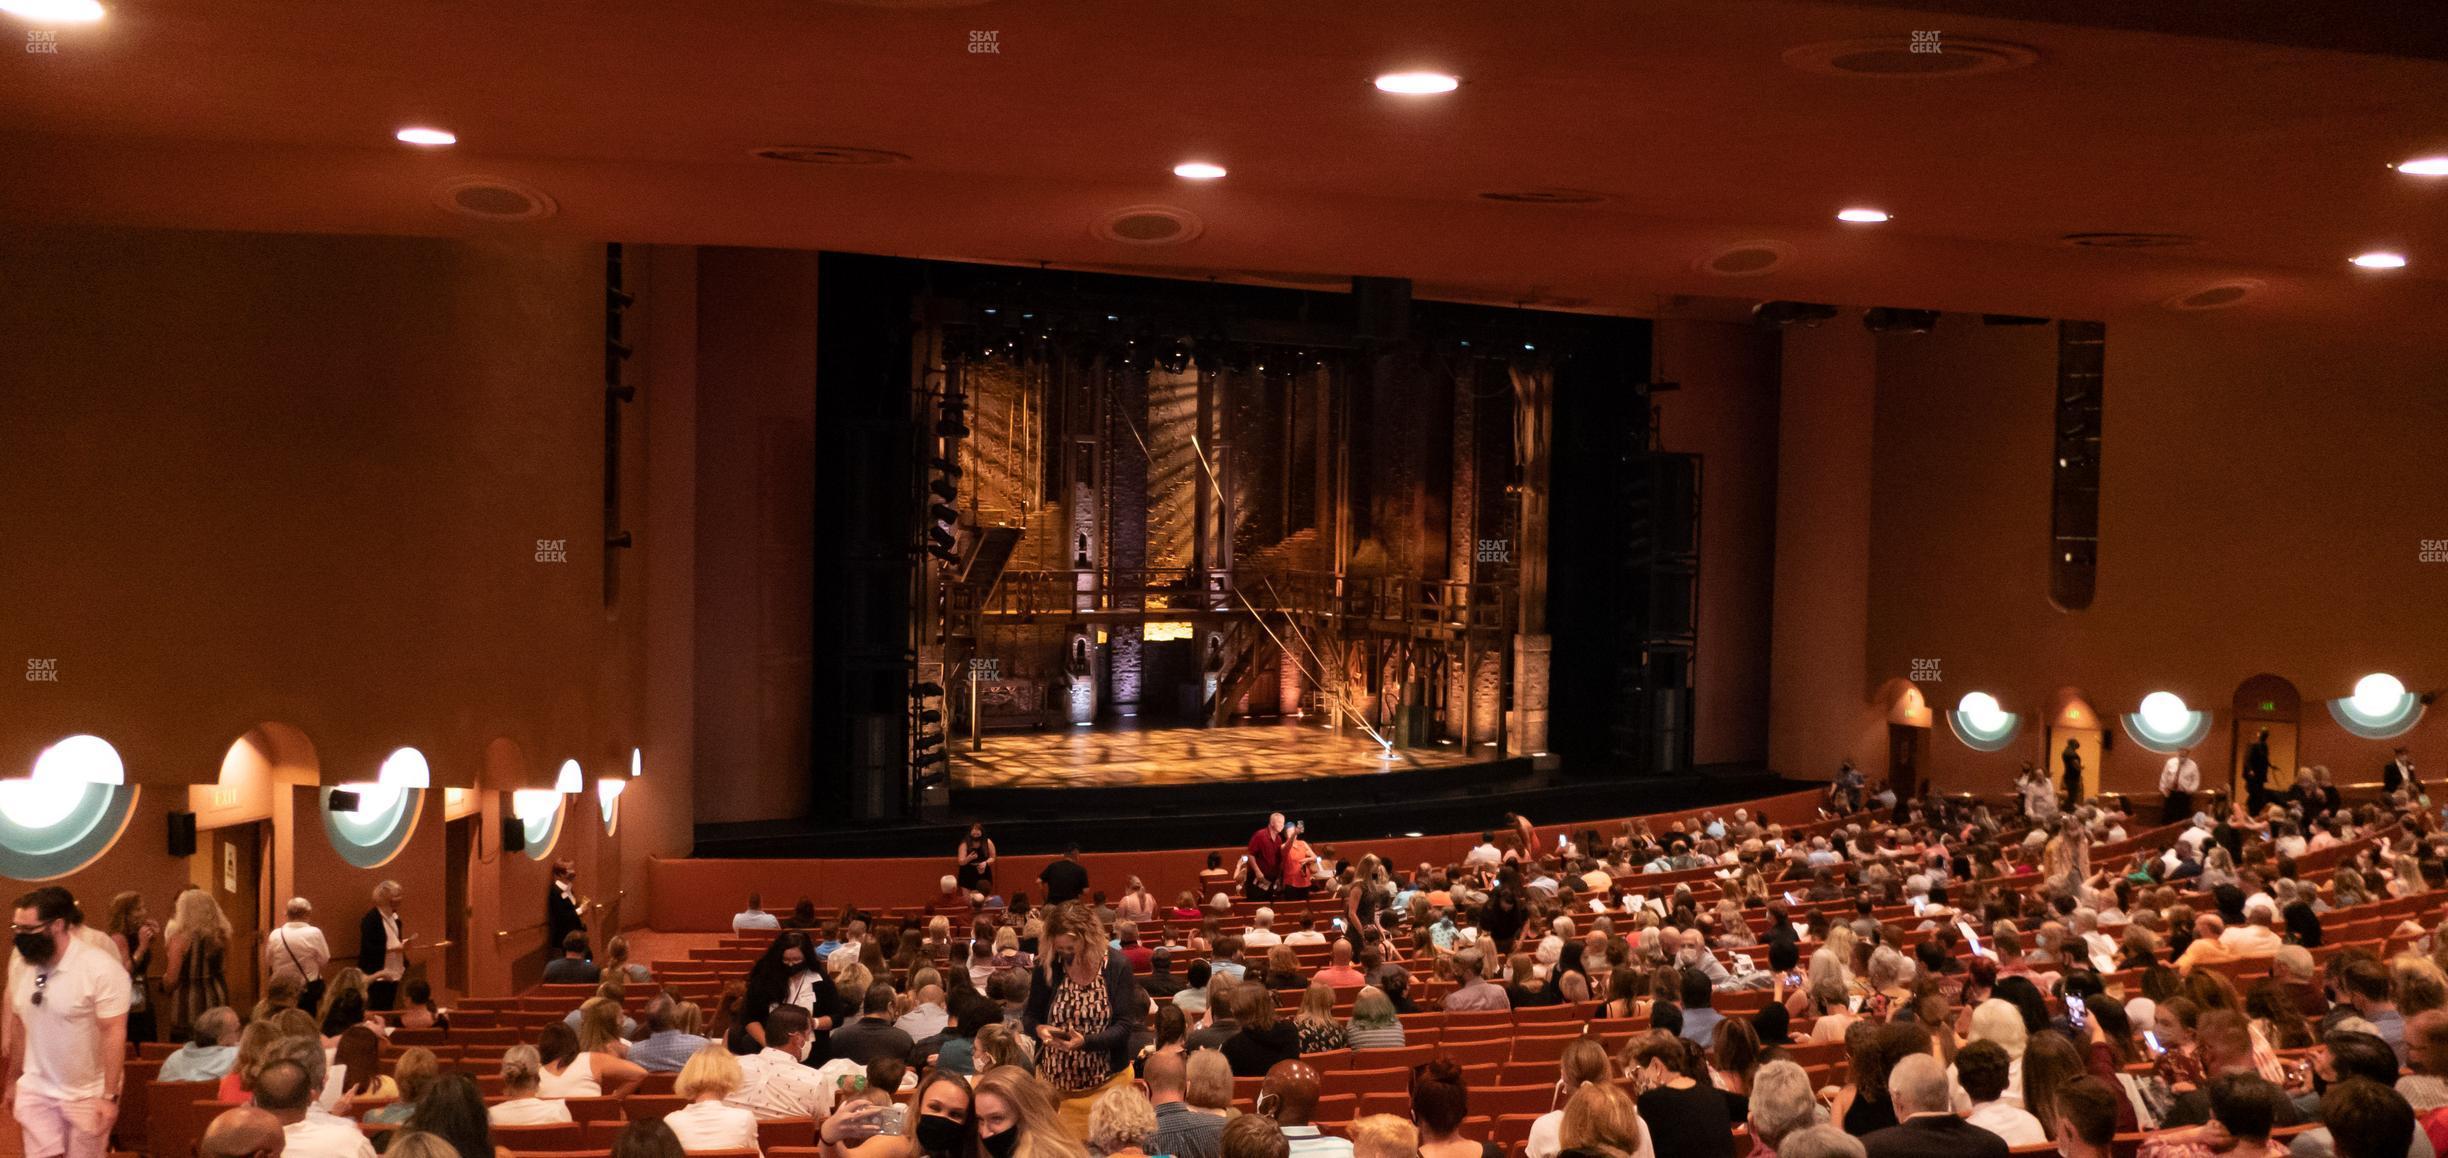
(182, 833)
(514, 834)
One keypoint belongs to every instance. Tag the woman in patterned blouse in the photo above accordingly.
(1083, 1007)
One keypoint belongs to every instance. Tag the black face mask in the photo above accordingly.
(940, 1135)
(1000, 1145)
(36, 948)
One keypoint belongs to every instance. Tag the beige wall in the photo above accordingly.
(2265, 495)
(300, 479)
(1819, 684)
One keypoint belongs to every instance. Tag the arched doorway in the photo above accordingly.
(1908, 729)
(2271, 703)
(2071, 718)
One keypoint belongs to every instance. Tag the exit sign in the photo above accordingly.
(2269, 705)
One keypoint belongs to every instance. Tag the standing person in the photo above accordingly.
(1299, 863)
(297, 950)
(195, 972)
(2179, 779)
(2399, 772)
(1064, 880)
(564, 909)
(2256, 773)
(65, 1037)
(136, 934)
(976, 857)
(1083, 1007)
(382, 947)
(2071, 760)
(1264, 861)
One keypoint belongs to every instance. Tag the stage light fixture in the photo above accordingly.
(942, 513)
(928, 690)
(951, 426)
(943, 489)
(930, 716)
(1417, 83)
(2380, 259)
(1784, 313)
(945, 467)
(940, 537)
(1892, 320)
(2423, 167)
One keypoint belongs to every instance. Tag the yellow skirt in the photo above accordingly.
(1075, 1103)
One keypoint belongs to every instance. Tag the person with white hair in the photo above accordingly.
(1782, 1104)
(1261, 934)
(2098, 947)
(2000, 1021)
(2255, 937)
(1821, 1142)
(1926, 1125)
(297, 951)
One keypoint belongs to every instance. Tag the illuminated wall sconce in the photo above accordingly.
(2165, 724)
(539, 811)
(607, 795)
(2381, 708)
(368, 833)
(572, 779)
(1982, 724)
(66, 813)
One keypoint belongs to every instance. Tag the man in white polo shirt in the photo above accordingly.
(66, 1031)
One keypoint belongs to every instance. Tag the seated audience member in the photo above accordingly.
(453, 1110)
(1255, 1136)
(775, 1082)
(2086, 1111)
(754, 918)
(2241, 1106)
(1121, 1123)
(706, 1122)
(1182, 1130)
(1472, 992)
(1782, 1105)
(1926, 1125)
(1683, 1112)
(1601, 1120)
(413, 1073)
(1384, 1136)
(1820, 1142)
(574, 966)
(2226, 1048)
(2364, 1119)
(1289, 1094)
(286, 1090)
(671, 1037)
(872, 1034)
(1373, 1023)
(520, 1070)
(358, 1062)
(574, 1072)
(245, 1132)
(1583, 1061)
(1981, 1068)
(418, 1010)
(1261, 1040)
(212, 1052)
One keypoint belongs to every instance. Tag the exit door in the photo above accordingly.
(240, 885)
(2086, 746)
(1905, 747)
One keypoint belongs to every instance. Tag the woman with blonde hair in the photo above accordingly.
(1083, 1007)
(521, 1068)
(1010, 1105)
(1120, 1123)
(193, 972)
(1601, 1119)
(617, 967)
(1316, 1024)
(1583, 1062)
(2405, 877)
(851, 983)
(2001, 1021)
(344, 1003)
(573, 1072)
(413, 1074)
(706, 1123)
(599, 1027)
(1137, 905)
(253, 1043)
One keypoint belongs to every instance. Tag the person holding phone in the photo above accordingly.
(1083, 1006)
(1299, 863)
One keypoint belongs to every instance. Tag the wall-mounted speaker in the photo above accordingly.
(343, 800)
(182, 833)
(2107, 740)
(514, 834)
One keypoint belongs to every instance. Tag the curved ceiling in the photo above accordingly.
(640, 122)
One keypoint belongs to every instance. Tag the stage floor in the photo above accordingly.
(1169, 757)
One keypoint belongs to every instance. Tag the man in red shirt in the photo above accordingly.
(1266, 849)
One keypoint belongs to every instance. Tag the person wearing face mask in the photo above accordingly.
(775, 1082)
(66, 1031)
(1684, 1115)
(1083, 1007)
(1016, 1118)
(938, 1124)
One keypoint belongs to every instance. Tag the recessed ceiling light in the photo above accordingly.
(2424, 166)
(1867, 216)
(2380, 259)
(54, 11)
(415, 135)
(1199, 170)
(1418, 83)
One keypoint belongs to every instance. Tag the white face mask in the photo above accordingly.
(806, 1046)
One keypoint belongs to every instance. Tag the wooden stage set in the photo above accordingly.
(1188, 757)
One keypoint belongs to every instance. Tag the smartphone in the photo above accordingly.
(2151, 1039)
(895, 1119)
(2075, 1011)
(1559, 840)
(1854, 1003)
(1338, 924)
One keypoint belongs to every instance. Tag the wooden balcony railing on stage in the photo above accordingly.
(1354, 605)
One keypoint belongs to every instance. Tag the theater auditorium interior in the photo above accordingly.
(1006, 579)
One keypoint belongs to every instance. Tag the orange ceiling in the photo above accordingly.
(638, 119)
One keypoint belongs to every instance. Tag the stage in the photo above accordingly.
(1188, 757)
